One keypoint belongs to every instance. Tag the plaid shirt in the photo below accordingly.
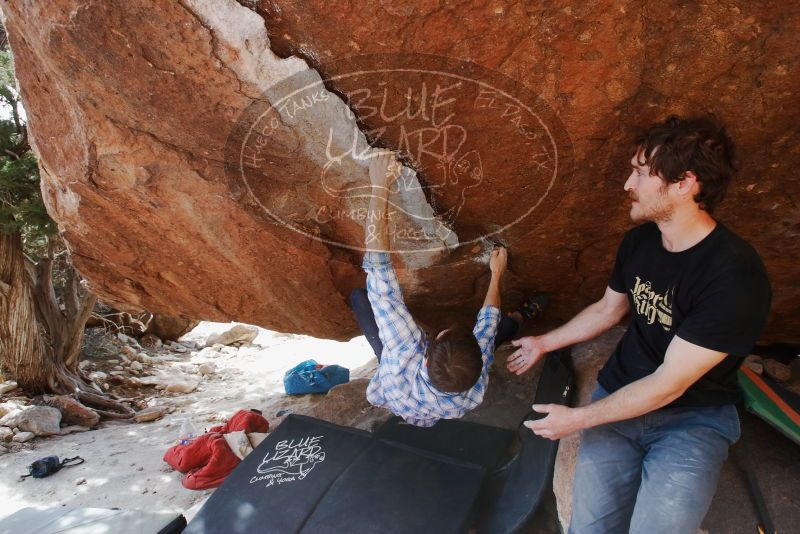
(401, 383)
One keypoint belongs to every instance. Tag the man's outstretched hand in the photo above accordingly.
(529, 351)
(383, 168)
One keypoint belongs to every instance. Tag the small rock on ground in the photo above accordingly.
(149, 414)
(73, 412)
(236, 334)
(151, 341)
(181, 387)
(22, 437)
(776, 370)
(206, 369)
(8, 385)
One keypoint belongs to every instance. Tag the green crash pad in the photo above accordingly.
(773, 403)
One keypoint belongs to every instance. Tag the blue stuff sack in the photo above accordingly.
(310, 377)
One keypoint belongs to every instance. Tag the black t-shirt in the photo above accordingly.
(715, 294)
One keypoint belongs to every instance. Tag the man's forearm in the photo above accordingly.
(684, 364)
(493, 293)
(637, 398)
(377, 224)
(588, 324)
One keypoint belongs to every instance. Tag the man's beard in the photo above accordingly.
(659, 210)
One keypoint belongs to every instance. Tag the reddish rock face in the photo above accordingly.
(195, 172)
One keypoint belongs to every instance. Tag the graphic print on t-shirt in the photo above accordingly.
(652, 305)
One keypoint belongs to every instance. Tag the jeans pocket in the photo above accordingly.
(727, 422)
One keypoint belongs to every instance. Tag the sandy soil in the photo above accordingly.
(123, 465)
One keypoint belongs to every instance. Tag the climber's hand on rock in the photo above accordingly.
(383, 168)
(498, 261)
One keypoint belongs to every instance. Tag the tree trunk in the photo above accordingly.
(40, 345)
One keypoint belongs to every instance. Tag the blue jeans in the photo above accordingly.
(655, 473)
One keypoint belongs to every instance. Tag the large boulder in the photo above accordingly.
(169, 327)
(347, 405)
(40, 420)
(73, 412)
(197, 165)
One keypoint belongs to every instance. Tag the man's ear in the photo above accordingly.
(425, 361)
(688, 184)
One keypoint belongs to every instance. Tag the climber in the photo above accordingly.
(661, 419)
(421, 379)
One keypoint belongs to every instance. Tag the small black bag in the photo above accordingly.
(44, 467)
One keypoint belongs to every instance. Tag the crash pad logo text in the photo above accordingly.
(291, 460)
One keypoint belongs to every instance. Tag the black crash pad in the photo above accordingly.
(403, 487)
(513, 492)
(312, 476)
(469, 442)
(279, 484)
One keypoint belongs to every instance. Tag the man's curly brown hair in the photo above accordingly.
(699, 145)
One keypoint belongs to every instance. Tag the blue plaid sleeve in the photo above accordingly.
(396, 327)
(486, 329)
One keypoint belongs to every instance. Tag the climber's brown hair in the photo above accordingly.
(455, 360)
(699, 145)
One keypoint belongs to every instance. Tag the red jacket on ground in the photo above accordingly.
(208, 459)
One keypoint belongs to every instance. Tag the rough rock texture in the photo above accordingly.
(777, 370)
(8, 407)
(149, 414)
(41, 420)
(22, 437)
(509, 397)
(8, 385)
(72, 411)
(134, 106)
(151, 341)
(239, 333)
(587, 359)
(168, 327)
(347, 405)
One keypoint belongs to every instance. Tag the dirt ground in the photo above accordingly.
(124, 466)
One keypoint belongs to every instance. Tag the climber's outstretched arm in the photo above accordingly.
(383, 170)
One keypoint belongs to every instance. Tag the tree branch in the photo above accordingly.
(76, 328)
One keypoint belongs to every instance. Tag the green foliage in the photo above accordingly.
(21, 206)
(6, 70)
